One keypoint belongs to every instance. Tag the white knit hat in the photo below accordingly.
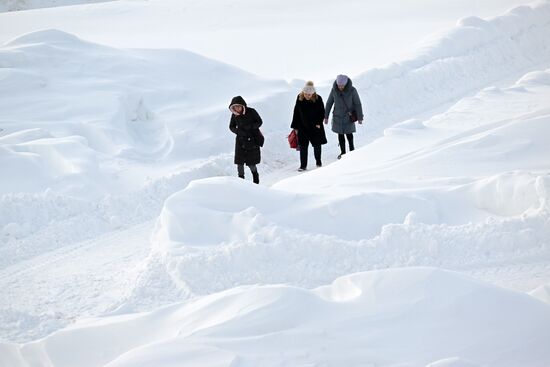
(309, 88)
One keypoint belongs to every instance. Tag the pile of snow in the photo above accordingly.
(542, 293)
(110, 106)
(113, 132)
(476, 53)
(271, 31)
(413, 317)
(14, 5)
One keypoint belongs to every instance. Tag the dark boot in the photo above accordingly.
(241, 176)
(255, 177)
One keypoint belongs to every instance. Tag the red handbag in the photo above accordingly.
(293, 139)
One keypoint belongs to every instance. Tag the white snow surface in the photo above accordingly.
(354, 321)
(126, 240)
(309, 39)
(15, 5)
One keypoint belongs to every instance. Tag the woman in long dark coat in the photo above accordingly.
(346, 101)
(307, 121)
(245, 124)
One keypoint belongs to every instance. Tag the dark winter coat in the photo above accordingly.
(341, 121)
(307, 114)
(248, 136)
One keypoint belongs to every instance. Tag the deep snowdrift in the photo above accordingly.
(108, 134)
(475, 54)
(411, 317)
(147, 107)
(271, 31)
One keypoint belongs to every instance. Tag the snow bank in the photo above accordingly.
(50, 159)
(383, 31)
(542, 293)
(223, 210)
(412, 316)
(118, 108)
(474, 54)
(110, 133)
(204, 244)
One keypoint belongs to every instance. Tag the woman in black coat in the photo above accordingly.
(245, 124)
(307, 121)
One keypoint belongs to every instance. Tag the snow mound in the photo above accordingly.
(542, 293)
(48, 37)
(54, 161)
(535, 78)
(470, 56)
(203, 244)
(142, 109)
(453, 362)
(441, 317)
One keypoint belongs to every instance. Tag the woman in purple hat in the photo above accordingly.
(347, 110)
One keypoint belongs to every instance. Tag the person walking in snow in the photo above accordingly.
(245, 124)
(307, 121)
(347, 110)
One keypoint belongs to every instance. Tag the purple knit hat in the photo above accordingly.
(341, 80)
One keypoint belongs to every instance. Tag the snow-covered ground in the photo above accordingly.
(399, 317)
(16, 5)
(126, 240)
(308, 39)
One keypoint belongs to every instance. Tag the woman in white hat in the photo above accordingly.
(307, 121)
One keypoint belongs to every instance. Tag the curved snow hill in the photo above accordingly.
(88, 119)
(406, 317)
(94, 138)
(476, 53)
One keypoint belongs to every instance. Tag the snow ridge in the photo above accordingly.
(475, 54)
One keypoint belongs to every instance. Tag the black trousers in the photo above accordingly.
(240, 169)
(304, 147)
(342, 142)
